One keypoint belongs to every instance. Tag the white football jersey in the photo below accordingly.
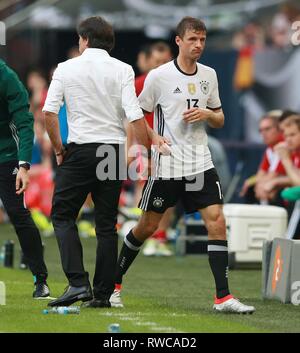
(169, 92)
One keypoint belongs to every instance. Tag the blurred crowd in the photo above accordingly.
(256, 37)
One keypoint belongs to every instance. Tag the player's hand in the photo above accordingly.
(196, 114)
(269, 186)
(162, 144)
(22, 181)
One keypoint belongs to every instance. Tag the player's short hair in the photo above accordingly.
(99, 33)
(292, 120)
(190, 24)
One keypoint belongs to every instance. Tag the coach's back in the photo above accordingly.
(97, 93)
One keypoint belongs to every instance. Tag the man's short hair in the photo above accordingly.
(292, 120)
(190, 24)
(99, 33)
(273, 115)
(286, 114)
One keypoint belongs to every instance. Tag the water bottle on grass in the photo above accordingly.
(63, 310)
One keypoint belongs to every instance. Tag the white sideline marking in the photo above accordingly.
(137, 320)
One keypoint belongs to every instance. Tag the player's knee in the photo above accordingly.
(216, 221)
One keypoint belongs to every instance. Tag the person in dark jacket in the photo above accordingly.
(16, 142)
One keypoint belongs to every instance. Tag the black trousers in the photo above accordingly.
(75, 179)
(20, 217)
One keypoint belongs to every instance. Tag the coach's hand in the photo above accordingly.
(196, 114)
(60, 155)
(22, 181)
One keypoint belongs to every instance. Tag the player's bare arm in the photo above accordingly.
(161, 143)
(214, 118)
(52, 127)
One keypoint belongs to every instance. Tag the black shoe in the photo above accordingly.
(97, 303)
(41, 290)
(72, 295)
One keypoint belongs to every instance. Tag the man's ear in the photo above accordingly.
(177, 40)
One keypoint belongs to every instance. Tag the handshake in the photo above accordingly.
(162, 145)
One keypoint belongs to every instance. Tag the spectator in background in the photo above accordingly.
(39, 193)
(291, 131)
(247, 42)
(38, 87)
(280, 31)
(73, 52)
(289, 153)
(150, 57)
(289, 150)
(284, 116)
(270, 165)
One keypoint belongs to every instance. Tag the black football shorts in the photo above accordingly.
(195, 192)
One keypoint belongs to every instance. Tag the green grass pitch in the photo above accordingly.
(161, 295)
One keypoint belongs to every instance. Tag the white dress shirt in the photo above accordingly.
(99, 93)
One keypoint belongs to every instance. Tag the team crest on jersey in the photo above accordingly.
(204, 85)
(158, 202)
(192, 88)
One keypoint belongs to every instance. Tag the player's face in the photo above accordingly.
(292, 136)
(192, 44)
(269, 132)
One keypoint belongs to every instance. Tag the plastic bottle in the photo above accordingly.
(9, 253)
(2, 254)
(63, 310)
(23, 263)
(114, 328)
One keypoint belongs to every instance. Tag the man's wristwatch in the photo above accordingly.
(24, 165)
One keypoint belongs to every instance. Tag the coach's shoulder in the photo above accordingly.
(68, 63)
(119, 63)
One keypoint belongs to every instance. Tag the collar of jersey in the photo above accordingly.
(184, 73)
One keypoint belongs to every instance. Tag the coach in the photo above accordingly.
(99, 92)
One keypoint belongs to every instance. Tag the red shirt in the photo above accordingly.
(271, 162)
(295, 156)
(139, 85)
